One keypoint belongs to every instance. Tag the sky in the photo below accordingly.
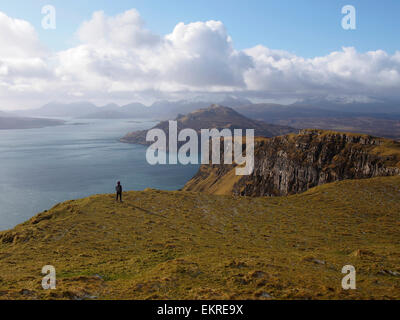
(122, 51)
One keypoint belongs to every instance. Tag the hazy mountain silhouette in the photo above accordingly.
(56, 109)
(348, 106)
(215, 116)
(342, 118)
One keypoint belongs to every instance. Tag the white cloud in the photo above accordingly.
(125, 30)
(24, 65)
(18, 39)
(201, 54)
(118, 58)
(343, 72)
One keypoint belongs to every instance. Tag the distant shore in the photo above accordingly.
(13, 123)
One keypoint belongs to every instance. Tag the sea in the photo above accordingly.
(42, 167)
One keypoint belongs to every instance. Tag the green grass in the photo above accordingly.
(182, 245)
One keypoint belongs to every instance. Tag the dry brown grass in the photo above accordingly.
(181, 245)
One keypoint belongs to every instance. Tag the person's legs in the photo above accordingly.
(119, 196)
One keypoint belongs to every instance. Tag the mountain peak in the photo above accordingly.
(216, 106)
(214, 117)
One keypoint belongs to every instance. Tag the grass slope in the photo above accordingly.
(181, 245)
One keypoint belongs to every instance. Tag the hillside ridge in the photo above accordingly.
(183, 245)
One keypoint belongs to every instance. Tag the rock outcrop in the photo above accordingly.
(292, 164)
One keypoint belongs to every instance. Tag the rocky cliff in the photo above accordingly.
(292, 164)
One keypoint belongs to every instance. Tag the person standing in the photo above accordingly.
(118, 189)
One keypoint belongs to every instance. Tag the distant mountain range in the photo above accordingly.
(344, 105)
(342, 117)
(160, 110)
(380, 118)
(60, 110)
(164, 109)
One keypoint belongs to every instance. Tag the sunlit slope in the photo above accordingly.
(180, 245)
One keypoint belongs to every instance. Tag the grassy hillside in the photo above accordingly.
(181, 245)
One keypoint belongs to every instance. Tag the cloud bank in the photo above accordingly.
(118, 59)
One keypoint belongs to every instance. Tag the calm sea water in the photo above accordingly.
(42, 167)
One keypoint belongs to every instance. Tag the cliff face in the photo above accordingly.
(292, 164)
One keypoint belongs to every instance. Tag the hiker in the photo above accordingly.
(118, 188)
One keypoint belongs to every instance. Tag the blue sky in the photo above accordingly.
(263, 50)
(307, 28)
